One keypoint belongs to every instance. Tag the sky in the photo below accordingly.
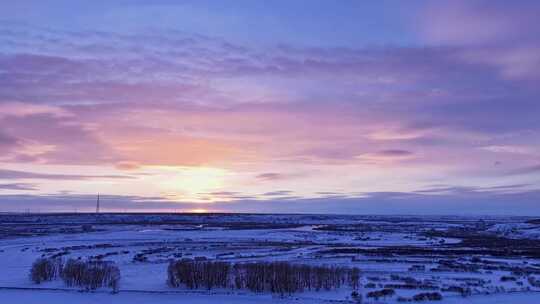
(353, 107)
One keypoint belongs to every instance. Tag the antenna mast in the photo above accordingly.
(97, 204)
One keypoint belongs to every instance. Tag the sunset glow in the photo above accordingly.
(283, 107)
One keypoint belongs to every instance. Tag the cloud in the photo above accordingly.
(7, 140)
(472, 190)
(386, 155)
(394, 153)
(395, 203)
(55, 138)
(270, 176)
(504, 36)
(7, 143)
(21, 109)
(278, 193)
(508, 187)
(127, 165)
(14, 174)
(533, 169)
(85, 203)
(182, 99)
(488, 22)
(18, 187)
(186, 99)
(509, 149)
(224, 193)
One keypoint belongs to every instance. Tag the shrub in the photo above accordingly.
(45, 269)
(87, 228)
(383, 293)
(370, 285)
(356, 296)
(428, 296)
(91, 275)
(508, 278)
(463, 291)
(533, 281)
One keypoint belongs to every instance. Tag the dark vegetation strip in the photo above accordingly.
(275, 277)
(427, 251)
(88, 275)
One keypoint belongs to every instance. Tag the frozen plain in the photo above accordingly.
(466, 260)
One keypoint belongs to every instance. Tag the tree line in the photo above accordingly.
(88, 275)
(275, 277)
(91, 274)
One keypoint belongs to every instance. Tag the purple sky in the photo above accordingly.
(417, 107)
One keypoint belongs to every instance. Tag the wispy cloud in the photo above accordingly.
(18, 186)
(534, 169)
(270, 176)
(14, 174)
(501, 35)
(468, 202)
(278, 193)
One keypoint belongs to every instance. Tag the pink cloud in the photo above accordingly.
(504, 36)
(21, 109)
(192, 101)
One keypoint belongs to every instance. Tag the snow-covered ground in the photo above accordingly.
(517, 230)
(411, 255)
(46, 296)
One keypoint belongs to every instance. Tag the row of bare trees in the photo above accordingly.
(88, 275)
(198, 274)
(275, 277)
(44, 269)
(91, 275)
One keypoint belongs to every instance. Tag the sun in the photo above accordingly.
(189, 183)
(199, 211)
